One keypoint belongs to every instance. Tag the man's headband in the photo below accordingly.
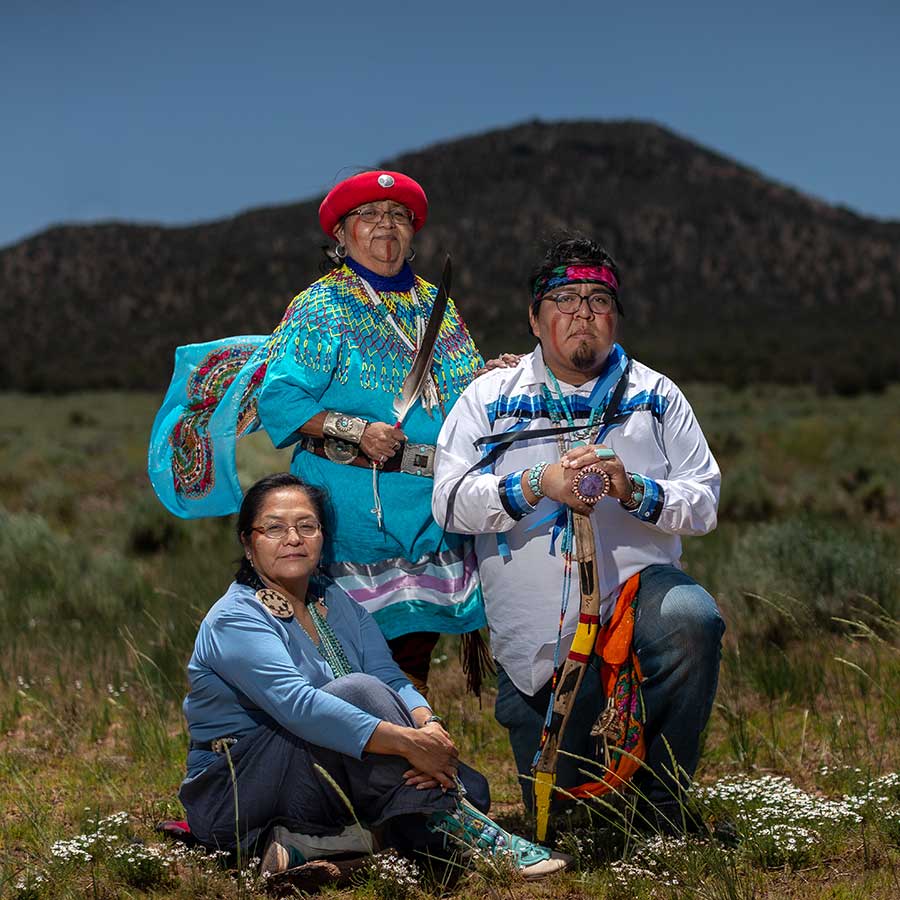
(563, 275)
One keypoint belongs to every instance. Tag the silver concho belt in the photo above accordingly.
(413, 459)
(418, 459)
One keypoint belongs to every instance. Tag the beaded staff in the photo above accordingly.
(566, 683)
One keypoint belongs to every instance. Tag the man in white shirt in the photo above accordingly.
(635, 425)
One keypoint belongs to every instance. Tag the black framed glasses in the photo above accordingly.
(568, 302)
(371, 215)
(278, 531)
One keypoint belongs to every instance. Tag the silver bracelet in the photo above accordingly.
(344, 427)
(637, 493)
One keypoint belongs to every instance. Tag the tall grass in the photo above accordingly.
(101, 592)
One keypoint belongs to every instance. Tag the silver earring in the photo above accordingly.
(340, 251)
(411, 255)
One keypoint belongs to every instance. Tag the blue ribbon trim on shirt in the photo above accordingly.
(559, 514)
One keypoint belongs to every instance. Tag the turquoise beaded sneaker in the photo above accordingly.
(467, 826)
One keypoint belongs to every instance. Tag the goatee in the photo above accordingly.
(584, 357)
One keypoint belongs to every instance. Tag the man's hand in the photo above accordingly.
(603, 458)
(557, 485)
(558, 478)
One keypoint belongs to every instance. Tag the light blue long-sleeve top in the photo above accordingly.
(249, 667)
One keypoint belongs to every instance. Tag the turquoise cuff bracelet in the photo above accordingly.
(535, 477)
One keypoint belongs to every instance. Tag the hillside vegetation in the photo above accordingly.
(727, 276)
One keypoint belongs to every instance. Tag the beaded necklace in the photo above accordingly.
(329, 646)
(558, 409)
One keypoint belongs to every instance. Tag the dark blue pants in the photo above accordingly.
(279, 781)
(677, 638)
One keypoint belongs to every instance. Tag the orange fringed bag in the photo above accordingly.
(621, 725)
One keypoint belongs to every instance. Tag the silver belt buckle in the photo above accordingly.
(418, 459)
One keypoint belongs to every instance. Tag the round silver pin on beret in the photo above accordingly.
(386, 181)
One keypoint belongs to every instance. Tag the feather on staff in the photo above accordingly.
(418, 376)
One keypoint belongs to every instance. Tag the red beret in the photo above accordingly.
(367, 187)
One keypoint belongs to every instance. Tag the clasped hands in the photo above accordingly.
(558, 477)
(434, 758)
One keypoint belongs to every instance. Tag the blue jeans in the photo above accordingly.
(677, 638)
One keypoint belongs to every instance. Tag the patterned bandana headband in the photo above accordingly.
(562, 275)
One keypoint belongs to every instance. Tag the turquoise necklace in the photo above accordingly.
(559, 409)
(329, 645)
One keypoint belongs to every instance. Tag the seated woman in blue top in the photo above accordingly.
(292, 685)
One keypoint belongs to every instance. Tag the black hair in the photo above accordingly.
(572, 250)
(252, 503)
(330, 260)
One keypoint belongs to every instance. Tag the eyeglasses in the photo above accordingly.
(570, 302)
(371, 215)
(278, 531)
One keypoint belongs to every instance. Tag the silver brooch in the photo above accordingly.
(275, 603)
(386, 180)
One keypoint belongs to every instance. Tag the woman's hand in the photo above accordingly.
(429, 750)
(381, 441)
(419, 780)
(603, 458)
(503, 361)
(433, 757)
(413, 777)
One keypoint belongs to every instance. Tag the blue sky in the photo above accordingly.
(181, 112)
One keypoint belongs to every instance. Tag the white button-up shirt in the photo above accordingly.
(656, 436)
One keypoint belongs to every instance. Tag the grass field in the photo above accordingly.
(101, 592)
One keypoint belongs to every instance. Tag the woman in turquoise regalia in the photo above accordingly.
(326, 381)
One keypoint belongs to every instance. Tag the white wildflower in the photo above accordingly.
(393, 877)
